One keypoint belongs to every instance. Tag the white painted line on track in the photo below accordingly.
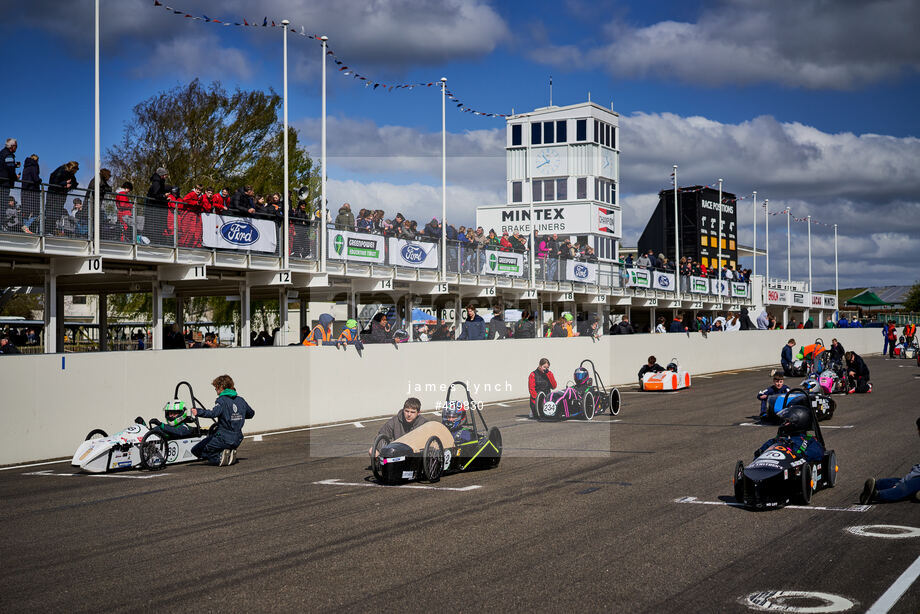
(851, 508)
(886, 531)
(503, 405)
(64, 460)
(336, 482)
(702, 377)
(573, 421)
(130, 476)
(358, 425)
(896, 590)
(823, 426)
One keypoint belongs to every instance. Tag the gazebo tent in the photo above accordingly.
(867, 298)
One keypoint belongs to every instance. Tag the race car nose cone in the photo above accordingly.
(395, 449)
(759, 474)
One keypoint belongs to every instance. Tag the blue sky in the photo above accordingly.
(810, 103)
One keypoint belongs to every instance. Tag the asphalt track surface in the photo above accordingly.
(578, 517)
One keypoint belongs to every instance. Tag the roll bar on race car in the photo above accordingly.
(811, 410)
(191, 393)
(597, 377)
(469, 399)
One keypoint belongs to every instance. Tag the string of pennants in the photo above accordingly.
(797, 219)
(342, 66)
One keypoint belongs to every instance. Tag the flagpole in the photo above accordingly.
(754, 270)
(97, 157)
(788, 248)
(766, 240)
(322, 222)
(836, 278)
(443, 178)
(285, 259)
(809, 253)
(719, 269)
(676, 237)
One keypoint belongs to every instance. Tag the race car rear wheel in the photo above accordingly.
(433, 459)
(831, 407)
(613, 402)
(379, 443)
(95, 433)
(541, 400)
(153, 448)
(830, 469)
(493, 452)
(587, 405)
(806, 488)
(738, 481)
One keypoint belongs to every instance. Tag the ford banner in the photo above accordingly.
(242, 233)
(638, 278)
(355, 247)
(415, 254)
(663, 281)
(718, 286)
(582, 272)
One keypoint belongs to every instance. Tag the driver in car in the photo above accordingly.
(407, 419)
(453, 416)
(179, 421)
(651, 366)
(794, 433)
(778, 387)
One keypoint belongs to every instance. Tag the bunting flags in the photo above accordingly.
(343, 68)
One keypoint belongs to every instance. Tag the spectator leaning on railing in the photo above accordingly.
(8, 166)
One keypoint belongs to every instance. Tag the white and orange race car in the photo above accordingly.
(672, 378)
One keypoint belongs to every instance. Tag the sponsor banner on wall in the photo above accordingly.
(739, 289)
(242, 233)
(699, 285)
(663, 281)
(503, 263)
(816, 300)
(830, 301)
(777, 297)
(718, 286)
(582, 272)
(415, 254)
(638, 278)
(799, 298)
(356, 247)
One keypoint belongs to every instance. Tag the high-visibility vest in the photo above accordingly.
(346, 335)
(312, 338)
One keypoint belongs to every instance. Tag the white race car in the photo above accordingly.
(138, 445)
(672, 378)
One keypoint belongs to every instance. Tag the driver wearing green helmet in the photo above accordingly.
(179, 421)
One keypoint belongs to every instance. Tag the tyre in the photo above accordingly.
(153, 448)
(587, 405)
(95, 434)
(432, 459)
(613, 402)
(738, 482)
(831, 407)
(830, 469)
(379, 443)
(549, 410)
(541, 399)
(807, 487)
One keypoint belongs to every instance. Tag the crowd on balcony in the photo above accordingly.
(687, 265)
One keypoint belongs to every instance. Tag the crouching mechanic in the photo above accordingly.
(887, 490)
(406, 420)
(651, 366)
(231, 411)
(540, 380)
(793, 433)
(179, 421)
(778, 387)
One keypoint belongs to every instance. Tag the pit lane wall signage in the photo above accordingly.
(356, 247)
(699, 285)
(663, 281)
(240, 233)
(777, 297)
(638, 278)
(562, 219)
(414, 254)
(582, 272)
(718, 286)
(739, 289)
(503, 263)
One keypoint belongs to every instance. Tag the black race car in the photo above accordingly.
(458, 442)
(781, 474)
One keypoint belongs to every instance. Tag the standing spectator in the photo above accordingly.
(62, 180)
(7, 347)
(156, 212)
(643, 262)
(786, 357)
(433, 229)
(72, 223)
(474, 327)
(243, 203)
(659, 325)
(189, 217)
(524, 328)
(8, 166)
(505, 243)
(345, 220)
(623, 327)
(745, 320)
(31, 193)
(125, 208)
(497, 327)
(517, 242)
(108, 213)
(677, 325)
(890, 333)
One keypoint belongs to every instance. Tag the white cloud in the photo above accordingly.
(808, 44)
(201, 56)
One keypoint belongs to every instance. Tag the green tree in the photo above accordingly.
(912, 301)
(205, 134)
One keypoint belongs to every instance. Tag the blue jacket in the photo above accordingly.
(786, 356)
(473, 330)
(677, 326)
(7, 167)
(231, 412)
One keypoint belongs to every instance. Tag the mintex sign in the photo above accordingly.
(564, 219)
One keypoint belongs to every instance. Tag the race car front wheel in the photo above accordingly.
(613, 402)
(433, 459)
(538, 405)
(807, 487)
(830, 469)
(493, 453)
(379, 443)
(95, 433)
(587, 405)
(153, 451)
(738, 481)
